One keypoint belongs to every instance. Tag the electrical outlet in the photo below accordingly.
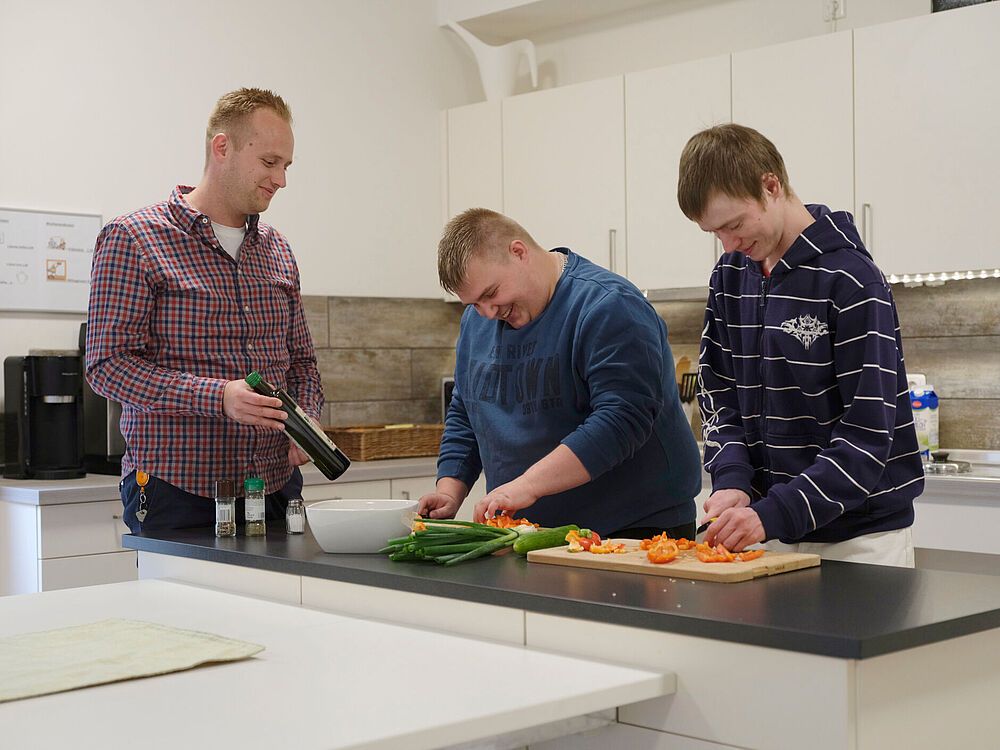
(834, 9)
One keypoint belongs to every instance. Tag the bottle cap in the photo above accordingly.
(253, 484)
(253, 378)
(225, 488)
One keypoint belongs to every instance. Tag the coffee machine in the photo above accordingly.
(43, 416)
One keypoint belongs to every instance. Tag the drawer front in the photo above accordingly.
(88, 570)
(477, 493)
(376, 489)
(80, 529)
(413, 488)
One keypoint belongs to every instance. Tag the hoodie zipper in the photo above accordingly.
(761, 305)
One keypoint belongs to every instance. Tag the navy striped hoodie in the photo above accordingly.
(803, 393)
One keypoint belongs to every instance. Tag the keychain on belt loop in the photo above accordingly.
(141, 478)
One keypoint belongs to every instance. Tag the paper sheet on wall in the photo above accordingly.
(45, 260)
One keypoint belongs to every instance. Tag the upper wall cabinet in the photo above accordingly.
(799, 95)
(475, 168)
(564, 168)
(927, 154)
(664, 107)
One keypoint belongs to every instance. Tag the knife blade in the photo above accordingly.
(704, 527)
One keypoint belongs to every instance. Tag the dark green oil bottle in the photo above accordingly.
(324, 453)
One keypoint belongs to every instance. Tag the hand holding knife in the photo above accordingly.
(704, 527)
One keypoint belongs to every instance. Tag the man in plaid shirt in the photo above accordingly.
(187, 297)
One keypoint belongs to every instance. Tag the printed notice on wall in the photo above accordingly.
(45, 260)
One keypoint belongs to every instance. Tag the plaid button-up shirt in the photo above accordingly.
(172, 318)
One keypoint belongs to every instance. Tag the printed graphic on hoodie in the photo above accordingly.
(806, 328)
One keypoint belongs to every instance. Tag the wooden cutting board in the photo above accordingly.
(685, 565)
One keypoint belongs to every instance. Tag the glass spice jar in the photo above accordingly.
(295, 516)
(225, 508)
(253, 508)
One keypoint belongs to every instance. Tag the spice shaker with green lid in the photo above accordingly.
(253, 510)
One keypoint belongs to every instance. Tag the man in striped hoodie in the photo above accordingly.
(808, 431)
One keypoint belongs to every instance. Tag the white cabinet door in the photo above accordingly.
(475, 168)
(87, 570)
(80, 529)
(564, 168)
(477, 493)
(664, 107)
(927, 155)
(799, 95)
(375, 489)
(413, 488)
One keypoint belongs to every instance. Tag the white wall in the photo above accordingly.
(677, 30)
(103, 105)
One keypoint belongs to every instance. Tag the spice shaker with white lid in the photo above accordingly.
(295, 516)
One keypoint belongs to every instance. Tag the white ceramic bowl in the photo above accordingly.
(359, 525)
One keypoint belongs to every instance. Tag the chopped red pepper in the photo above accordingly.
(607, 548)
(719, 553)
(663, 551)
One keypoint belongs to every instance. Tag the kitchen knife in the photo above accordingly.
(701, 529)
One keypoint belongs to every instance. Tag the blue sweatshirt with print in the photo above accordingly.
(803, 392)
(594, 371)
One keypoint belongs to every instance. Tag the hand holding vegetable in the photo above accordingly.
(556, 472)
(438, 505)
(736, 529)
(507, 498)
(445, 501)
(721, 500)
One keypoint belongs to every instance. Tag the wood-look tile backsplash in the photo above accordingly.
(382, 359)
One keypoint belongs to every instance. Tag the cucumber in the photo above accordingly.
(543, 539)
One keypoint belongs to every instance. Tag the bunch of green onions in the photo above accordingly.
(449, 542)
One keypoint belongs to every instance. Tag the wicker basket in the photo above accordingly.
(371, 441)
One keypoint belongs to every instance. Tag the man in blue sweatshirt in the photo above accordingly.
(809, 435)
(565, 391)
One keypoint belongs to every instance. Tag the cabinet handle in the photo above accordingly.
(116, 517)
(866, 225)
(405, 494)
(612, 250)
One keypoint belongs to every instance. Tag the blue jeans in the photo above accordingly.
(168, 507)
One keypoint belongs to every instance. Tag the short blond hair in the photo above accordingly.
(728, 159)
(476, 231)
(233, 111)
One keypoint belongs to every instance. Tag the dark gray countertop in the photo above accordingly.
(102, 487)
(844, 610)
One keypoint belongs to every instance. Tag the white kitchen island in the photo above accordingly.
(323, 681)
(838, 657)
